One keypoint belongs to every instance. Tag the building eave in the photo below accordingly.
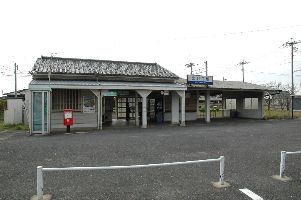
(103, 85)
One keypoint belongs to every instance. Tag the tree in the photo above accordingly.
(281, 99)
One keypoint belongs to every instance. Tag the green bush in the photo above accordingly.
(1, 116)
(3, 105)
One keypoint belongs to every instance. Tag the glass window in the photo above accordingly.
(230, 103)
(37, 111)
(66, 99)
(251, 103)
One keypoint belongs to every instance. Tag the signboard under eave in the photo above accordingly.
(110, 94)
(199, 79)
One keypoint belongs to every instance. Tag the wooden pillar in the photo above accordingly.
(182, 97)
(198, 103)
(261, 105)
(174, 108)
(136, 110)
(100, 112)
(99, 95)
(144, 94)
(207, 106)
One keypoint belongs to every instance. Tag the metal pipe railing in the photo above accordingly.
(282, 161)
(40, 169)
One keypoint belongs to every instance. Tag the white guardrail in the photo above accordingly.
(40, 170)
(282, 161)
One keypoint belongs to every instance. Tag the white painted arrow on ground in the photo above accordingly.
(251, 194)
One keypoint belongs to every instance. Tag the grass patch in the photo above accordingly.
(13, 127)
(280, 114)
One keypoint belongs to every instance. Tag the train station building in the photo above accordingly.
(103, 93)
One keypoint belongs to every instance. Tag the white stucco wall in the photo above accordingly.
(250, 113)
(27, 107)
(81, 120)
(13, 114)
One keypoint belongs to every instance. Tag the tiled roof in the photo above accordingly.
(100, 67)
(232, 85)
(238, 85)
(19, 92)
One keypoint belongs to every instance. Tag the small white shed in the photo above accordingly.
(14, 112)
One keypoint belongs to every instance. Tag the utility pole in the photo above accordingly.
(190, 65)
(291, 44)
(15, 72)
(206, 67)
(242, 63)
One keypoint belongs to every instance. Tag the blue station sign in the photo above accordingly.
(199, 79)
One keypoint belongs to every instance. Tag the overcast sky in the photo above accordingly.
(171, 33)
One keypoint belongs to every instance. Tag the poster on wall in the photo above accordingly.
(88, 104)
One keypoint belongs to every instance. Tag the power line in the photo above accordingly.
(239, 32)
(268, 73)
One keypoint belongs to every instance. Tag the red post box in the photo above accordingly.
(68, 117)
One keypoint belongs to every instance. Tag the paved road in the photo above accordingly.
(251, 148)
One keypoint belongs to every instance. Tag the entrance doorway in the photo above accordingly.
(126, 108)
(120, 109)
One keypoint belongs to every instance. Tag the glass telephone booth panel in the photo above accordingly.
(40, 112)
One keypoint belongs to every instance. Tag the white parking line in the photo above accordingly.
(251, 194)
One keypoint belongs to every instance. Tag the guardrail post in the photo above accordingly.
(221, 170)
(282, 164)
(40, 183)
